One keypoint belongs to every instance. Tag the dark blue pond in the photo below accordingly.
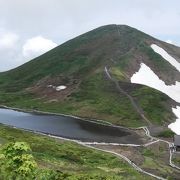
(67, 127)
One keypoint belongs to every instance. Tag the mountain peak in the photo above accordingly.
(122, 28)
(78, 66)
(78, 57)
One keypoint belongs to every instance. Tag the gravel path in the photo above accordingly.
(147, 132)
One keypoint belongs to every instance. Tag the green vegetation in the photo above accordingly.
(75, 58)
(117, 73)
(97, 95)
(16, 161)
(166, 134)
(176, 159)
(58, 159)
(79, 64)
(157, 59)
(148, 152)
(158, 63)
(153, 103)
(96, 98)
(156, 160)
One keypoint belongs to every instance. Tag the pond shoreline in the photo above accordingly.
(96, 121)
(68, 126)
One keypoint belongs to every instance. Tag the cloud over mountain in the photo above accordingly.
(37, 46)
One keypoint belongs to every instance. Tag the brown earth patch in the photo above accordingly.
(44, 88)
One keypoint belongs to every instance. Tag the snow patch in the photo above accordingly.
(176, 125)
(147, 77)
(166, 56)
(50, 86)
(57, 88)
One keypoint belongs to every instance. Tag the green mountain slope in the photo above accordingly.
(80, 65)
(77, 57)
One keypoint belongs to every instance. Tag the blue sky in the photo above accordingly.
(29, 28)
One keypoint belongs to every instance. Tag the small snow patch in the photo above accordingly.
(59, 88)
(166, 56)
(49, 86)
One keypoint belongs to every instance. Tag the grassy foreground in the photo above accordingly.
(77, 161)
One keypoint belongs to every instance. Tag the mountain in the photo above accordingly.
(94, 76)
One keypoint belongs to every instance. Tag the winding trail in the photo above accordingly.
(147, 132)
(134, 104)
(153, 140)
(128, 161)
(167, 142)
(89, 145)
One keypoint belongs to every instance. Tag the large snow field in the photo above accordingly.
(146, 76)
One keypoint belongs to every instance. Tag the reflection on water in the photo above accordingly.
(67, 127)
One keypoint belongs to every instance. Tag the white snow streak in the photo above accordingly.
(147, 77)
(166, 56)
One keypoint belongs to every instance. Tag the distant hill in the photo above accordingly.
(74, 78)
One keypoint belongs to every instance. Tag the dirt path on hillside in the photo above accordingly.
(134, 104)
(141, 113)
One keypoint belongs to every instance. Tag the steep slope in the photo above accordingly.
(79, 56)
(79, 67)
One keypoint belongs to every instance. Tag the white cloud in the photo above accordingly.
(65, 19)
(37, 46)
(8, 40)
